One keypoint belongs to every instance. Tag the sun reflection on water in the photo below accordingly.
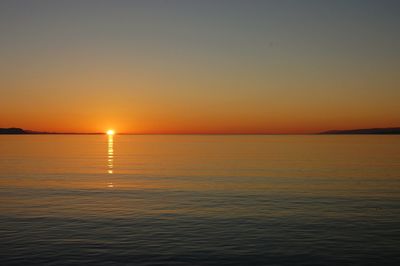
(110, 157)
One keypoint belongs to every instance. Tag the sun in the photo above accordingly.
(110, 132)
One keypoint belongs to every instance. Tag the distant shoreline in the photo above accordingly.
(365, 131)
(20, 131)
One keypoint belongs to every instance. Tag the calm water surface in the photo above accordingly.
(199, 200)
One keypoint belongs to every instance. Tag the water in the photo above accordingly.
(199, 200)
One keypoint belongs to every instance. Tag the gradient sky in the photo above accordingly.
(199, 66)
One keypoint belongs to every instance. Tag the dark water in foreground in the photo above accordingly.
(200, 200)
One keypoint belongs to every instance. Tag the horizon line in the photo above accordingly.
(375, 130)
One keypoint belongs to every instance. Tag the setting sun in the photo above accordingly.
(110, 132)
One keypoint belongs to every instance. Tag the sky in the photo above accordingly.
(199, 66)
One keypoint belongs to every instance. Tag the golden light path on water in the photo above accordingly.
(110, 157)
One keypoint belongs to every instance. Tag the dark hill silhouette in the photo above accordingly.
(386, 131)
(20, 131)
(12, 130)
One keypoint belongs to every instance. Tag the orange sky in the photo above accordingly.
(192, 67)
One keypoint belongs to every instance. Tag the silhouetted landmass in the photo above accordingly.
(12, 130)
(20, 131)
(388, 131)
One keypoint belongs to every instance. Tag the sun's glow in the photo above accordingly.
(110, 132)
